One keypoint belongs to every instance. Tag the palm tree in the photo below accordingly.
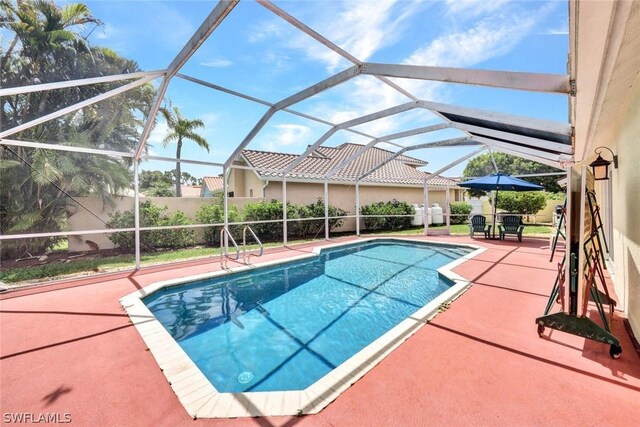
(49, 38)
(180, 129)
(37, 186)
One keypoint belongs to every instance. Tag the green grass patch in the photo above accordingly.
(120, 262)
(463, 230)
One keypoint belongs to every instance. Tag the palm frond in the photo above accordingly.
(8, 164)
(198, 139)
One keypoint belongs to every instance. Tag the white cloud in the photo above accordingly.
(360, 27)
(489, 29)
(466, 9)
(561, 29)
(287, 135)
(107, 32)
(266, 30)
(216, 63)
(209, 119)
(489, 38)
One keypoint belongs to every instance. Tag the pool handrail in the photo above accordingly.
(246, 259)
(224, 248)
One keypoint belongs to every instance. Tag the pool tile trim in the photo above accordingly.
(201, 399)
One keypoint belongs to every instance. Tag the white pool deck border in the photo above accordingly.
(201, 399)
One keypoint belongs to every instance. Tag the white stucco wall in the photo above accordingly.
(625, 142)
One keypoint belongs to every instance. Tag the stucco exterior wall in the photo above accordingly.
(626, 208)
(252, 184)
(237, 182)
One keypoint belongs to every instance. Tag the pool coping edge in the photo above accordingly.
(201, 399)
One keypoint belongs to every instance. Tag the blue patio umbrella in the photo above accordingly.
(499, 181)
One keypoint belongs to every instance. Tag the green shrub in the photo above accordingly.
(459, 212)
(554, 196)
(393, 207)
(214, 214)
(312, 227)
(272, 210)
(526, 202)
(177, 238)
(265, 211)
(152, 215)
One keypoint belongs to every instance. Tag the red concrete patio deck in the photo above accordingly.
(69, 348)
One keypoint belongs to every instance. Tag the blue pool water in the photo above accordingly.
(285, 327)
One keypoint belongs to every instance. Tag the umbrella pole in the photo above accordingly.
(495, 212)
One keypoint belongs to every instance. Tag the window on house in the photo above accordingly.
(251, 192)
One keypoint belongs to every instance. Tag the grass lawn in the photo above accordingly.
(113, 263)
(72, 267)
(532, 230)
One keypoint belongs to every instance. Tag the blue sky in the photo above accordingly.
(255, 52)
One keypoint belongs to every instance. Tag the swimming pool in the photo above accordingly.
(286, 327)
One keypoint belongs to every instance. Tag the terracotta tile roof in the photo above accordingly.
(212, 183)
(401, 170)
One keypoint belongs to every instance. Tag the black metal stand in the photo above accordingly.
(571, 322)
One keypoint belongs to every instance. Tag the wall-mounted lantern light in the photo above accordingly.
(600, 166)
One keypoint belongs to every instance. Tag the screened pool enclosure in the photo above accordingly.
(90, 107)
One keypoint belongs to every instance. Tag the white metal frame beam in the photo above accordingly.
(521, 149)
(329, 44)
(445, 142)
(509, 119)
(387, 138)
(79, 82)
(319, 87)
(534, 82)
(325, 84)
(347, 124)
(455, 163)
(268, 104)
(75, 107)
(151, 118)
(521, 139)
(217, 15)
(544, 161)
(67, 148)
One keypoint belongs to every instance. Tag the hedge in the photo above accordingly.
(460, 212)
(272, 211)
(214, 214)
(152, 215)
(393, 207)
(526, 202)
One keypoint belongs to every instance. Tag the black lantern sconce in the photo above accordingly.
(600, 166)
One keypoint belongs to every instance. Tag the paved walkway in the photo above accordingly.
(69, 348)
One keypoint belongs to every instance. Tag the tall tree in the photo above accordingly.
(37, 186)
(181, 129)
(513, 165)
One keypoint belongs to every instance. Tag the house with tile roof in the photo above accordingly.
(398, 179)
(211, 185)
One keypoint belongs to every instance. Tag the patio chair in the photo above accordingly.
(479, 224)
(511, 224)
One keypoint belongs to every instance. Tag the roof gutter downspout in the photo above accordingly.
(264, 189)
